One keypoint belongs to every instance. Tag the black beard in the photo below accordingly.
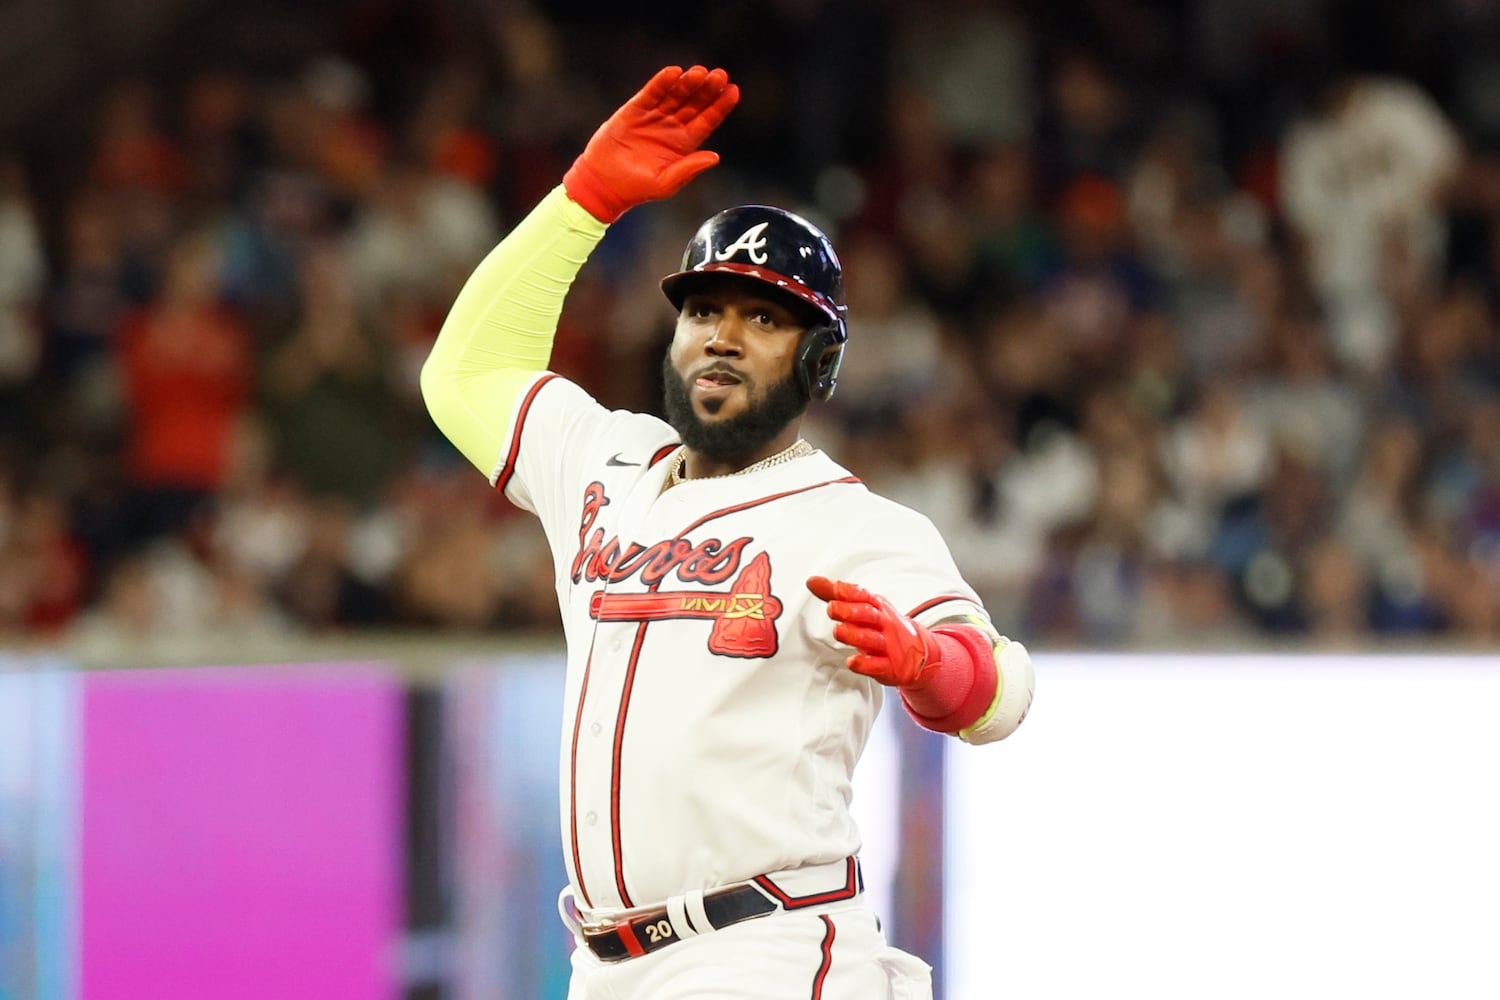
(738, 437)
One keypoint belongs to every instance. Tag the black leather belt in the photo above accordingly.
(653, 930)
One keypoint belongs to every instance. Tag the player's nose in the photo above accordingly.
(727, 334)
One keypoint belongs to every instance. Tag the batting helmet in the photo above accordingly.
(789, 253)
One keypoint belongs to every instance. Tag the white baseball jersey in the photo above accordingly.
(711, 727)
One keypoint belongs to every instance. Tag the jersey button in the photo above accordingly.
(596, 729)
(592, 818)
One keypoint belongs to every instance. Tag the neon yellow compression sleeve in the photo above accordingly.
(498, 334)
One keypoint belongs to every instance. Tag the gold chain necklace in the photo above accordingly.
(797, 449)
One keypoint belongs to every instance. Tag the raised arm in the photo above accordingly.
(498, 335)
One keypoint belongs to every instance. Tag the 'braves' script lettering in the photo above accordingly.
(711, 561)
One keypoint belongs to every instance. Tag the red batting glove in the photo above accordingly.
(646, 150)
(890, 647)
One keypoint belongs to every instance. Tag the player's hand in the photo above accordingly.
(889, 647)
(648, 149)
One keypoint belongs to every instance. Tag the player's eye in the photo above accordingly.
(766, 317)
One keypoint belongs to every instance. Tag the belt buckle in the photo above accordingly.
(597, 927)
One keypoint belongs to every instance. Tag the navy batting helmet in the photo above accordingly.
(789, 253)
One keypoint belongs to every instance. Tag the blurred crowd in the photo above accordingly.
(1179, 320)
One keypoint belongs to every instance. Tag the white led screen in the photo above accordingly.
(1224, 827)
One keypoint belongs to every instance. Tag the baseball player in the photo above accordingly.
(735, 603)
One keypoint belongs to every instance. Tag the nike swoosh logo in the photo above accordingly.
(616, 460)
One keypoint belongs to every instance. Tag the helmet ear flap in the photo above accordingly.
(820, 354)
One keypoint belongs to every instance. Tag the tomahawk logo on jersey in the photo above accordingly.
(743, 616)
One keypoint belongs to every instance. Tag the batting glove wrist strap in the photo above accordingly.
(959, 687)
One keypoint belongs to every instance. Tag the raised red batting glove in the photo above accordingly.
(648, 149)
(890, 647)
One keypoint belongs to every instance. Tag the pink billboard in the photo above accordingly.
(241, 834)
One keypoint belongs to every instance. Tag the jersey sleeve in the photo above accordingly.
(557, 441)
(898, 553)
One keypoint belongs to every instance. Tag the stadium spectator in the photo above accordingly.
(186, 366)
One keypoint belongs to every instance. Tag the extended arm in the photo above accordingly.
(498, 335)
(958, 677)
